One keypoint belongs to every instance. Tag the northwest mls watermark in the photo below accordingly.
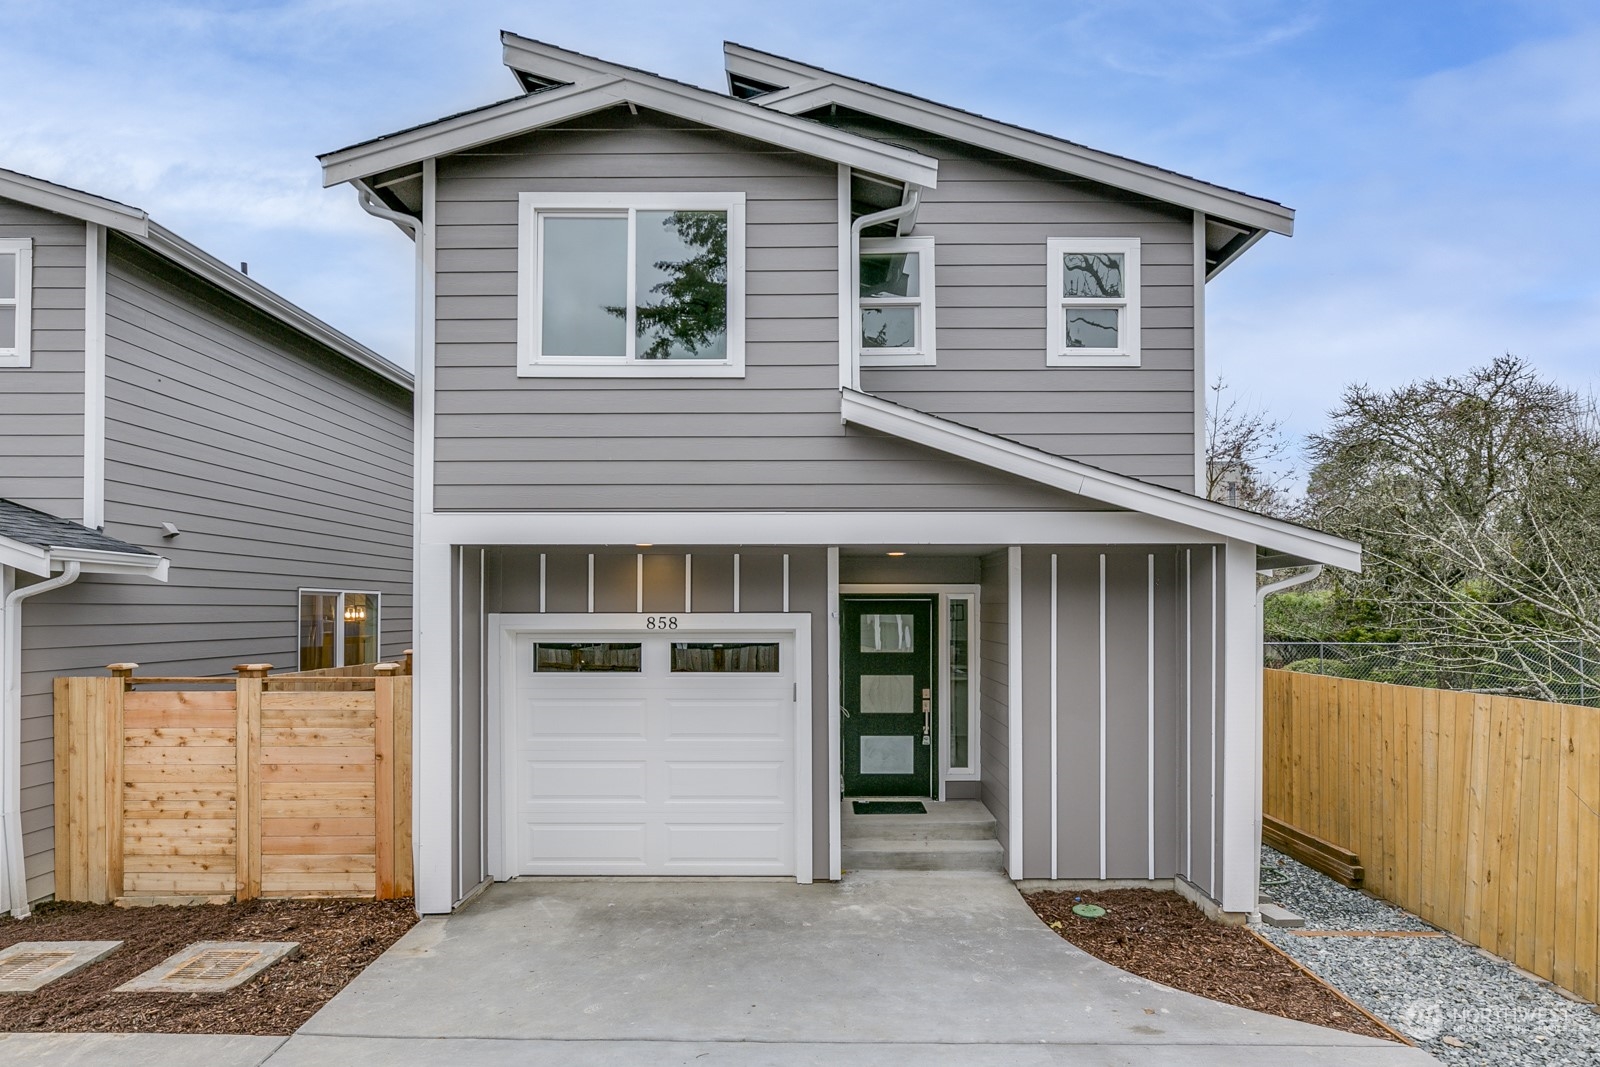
(1424, 1020)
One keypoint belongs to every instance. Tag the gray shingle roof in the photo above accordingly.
(42, 530)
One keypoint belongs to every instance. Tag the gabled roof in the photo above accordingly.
(143, 230)
(566, 85)
(1293, 544)
(803, 88)
(38, 542)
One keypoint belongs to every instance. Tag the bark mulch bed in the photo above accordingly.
(338, 938)
(1161, 936)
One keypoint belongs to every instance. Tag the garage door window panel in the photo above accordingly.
(609, 657)
(760, 657)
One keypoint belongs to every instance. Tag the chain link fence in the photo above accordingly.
(1566, 672)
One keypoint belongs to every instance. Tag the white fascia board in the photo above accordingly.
(73, 203)
(97, 561)
(821, 528)
(1040, 149)
(537, 110)
(1104, 487)
(240, 286)
(24, 557)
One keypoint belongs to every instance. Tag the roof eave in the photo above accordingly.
(73, 203)
(98, 561)
(1115, 490)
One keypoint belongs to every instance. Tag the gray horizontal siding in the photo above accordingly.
(990, 218)
(283, 468)
(41, 406)
(772, 440)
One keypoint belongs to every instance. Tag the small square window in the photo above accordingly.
(338, 629)
(894, 302)
(16, 301)
(1093, 314)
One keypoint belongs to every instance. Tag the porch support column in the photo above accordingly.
(433, 759)
(1239, 829)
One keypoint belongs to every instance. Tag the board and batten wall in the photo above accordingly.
(282, 466)
(1121, 649)
(41, 406)
(990, 217)
(770, 440)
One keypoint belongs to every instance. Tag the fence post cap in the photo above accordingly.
(385, 668)
(252, 668)
(122, 668)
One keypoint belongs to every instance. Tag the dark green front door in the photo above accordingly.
(889, 711)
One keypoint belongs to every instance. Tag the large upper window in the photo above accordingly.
(16, 300)
(895, 302)
(624, 283)
(1093, 302)
(337, 629)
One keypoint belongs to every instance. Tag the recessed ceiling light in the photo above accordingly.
(644, 546)
(896, 553)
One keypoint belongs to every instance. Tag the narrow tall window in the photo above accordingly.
(1093, 302)
(16, 301)
(894, 300)
(337, 629)
(624, 284)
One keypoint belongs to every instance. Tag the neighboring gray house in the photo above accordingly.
(816, 440)
(202, 472)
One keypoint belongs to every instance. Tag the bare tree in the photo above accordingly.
(1477, 498)
(1246, 455)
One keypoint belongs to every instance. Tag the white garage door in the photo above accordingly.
(653, 754)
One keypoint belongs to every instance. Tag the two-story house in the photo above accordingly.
(194, 473)
(816, 441)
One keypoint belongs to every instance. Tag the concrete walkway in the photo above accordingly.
(884, 968)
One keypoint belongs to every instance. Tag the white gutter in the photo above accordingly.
(1261, 695)
(374, 207)
(15, 882)
(913, 198)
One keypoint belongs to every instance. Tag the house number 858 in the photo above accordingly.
(661, 622)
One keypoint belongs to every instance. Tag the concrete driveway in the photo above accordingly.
(936, 969)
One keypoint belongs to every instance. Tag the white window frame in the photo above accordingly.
(21, 353)
(1057, 354)
(924, 353)
(533, 363)
(338, 614)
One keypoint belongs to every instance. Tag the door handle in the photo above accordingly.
(927, 716)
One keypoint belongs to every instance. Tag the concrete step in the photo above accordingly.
(954, 820)
(872, 854)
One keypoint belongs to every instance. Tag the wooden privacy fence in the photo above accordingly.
(252, 786)
(1479, 813)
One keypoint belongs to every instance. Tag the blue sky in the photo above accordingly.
(1444, 158)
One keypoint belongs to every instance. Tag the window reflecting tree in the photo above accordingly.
(682, 264)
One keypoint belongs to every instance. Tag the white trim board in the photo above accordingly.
(1104, 487)
(901, 529)
(810, 88)
(500, 630)
(94, 376)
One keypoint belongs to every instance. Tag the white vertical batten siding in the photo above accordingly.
(1211, 767)
(688, 583)
(1241, 735)
(1102, 654)
(1150, 710)
(1200, 475)
(591, 583)
(1055, 719)
(638, 582)
(541, 582)
(483, 715)
(1188, 714)
(786, 583)
(835, 784)
(736, 583)
(94, 376)
(1014, 713)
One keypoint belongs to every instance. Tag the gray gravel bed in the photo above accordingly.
(1459, 1003)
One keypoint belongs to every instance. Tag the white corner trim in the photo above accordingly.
(533, 362)
(94, 376)
(1104, 487)
(1241, 732)
(1126, 353)
(846, 272)
(835, 779)
(427, 313)
(433, 743)
(1200, 475)
(1014, 696)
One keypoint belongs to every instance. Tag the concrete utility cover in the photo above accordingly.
(211, 967)
(30, 965)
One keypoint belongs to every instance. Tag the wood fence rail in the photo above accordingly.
(250, 786)
(1479, 813)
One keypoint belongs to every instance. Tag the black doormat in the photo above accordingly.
(888, 807)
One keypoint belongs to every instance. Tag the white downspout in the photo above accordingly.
(15, 881)
(374, 207)
(913, 199)
(1261, 691)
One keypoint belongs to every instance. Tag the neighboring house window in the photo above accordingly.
(613, 284)
(895, 302)
(337, 629)
(16, 301)
(1093, 302)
